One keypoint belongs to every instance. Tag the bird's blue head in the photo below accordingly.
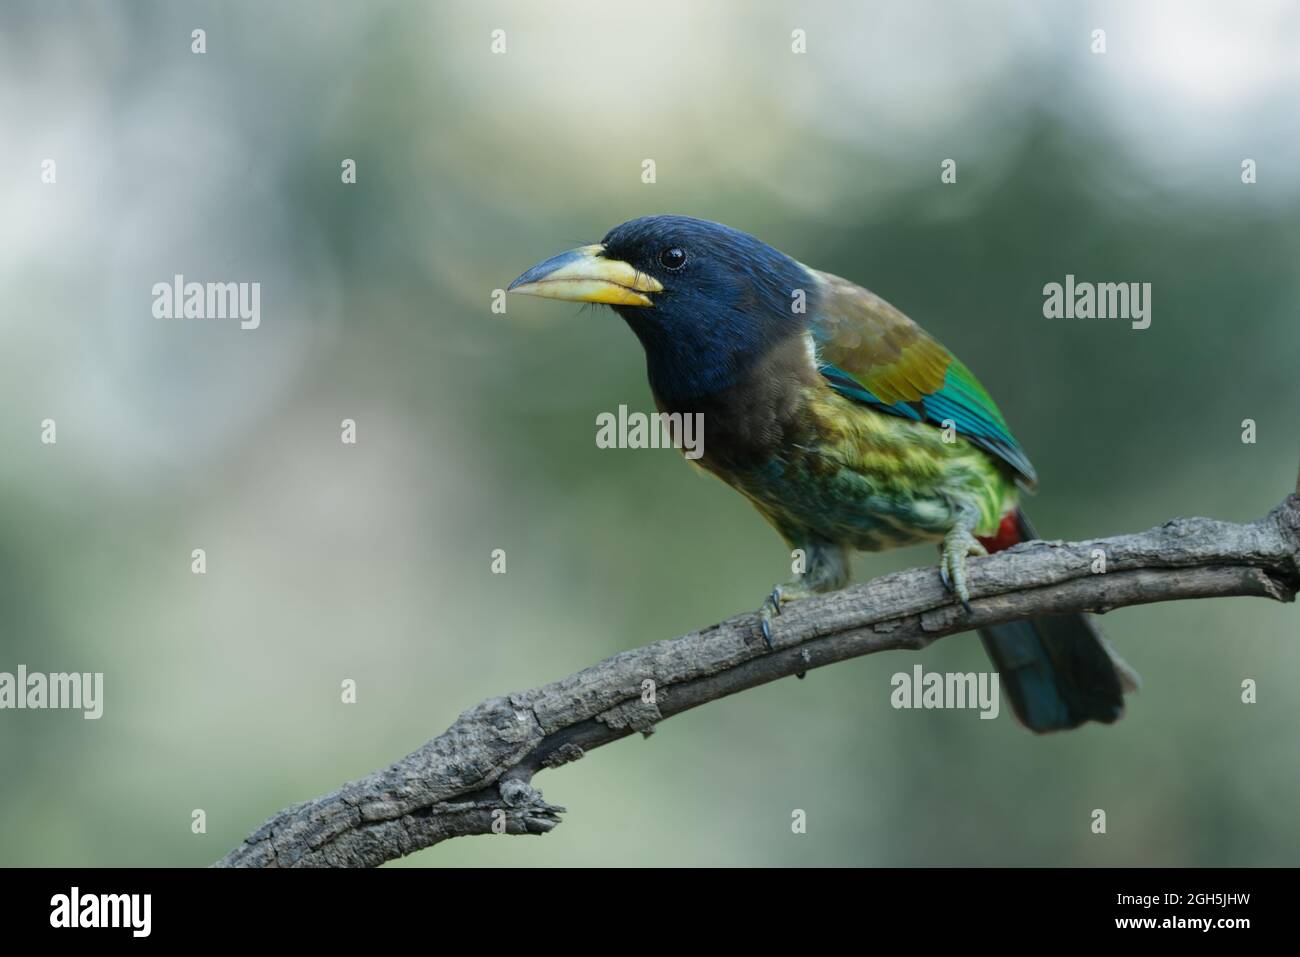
(705, 300)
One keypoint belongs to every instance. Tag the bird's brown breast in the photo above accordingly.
(764, 413)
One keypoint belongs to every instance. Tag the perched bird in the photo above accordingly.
(843, 422)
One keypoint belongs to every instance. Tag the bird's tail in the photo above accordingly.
(1057, 670)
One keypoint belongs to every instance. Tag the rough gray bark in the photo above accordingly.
(479, 770)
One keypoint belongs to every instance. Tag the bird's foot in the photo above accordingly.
(957, 547)
(771, 607)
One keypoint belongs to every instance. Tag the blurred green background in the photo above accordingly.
(476, 431)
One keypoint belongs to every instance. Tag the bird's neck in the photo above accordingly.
(759, 412)
(683, 372)
(698, 360)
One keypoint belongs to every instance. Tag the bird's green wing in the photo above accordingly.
(871, 353)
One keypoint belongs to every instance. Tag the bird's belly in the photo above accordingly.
(848, 508)
(820, 466)
(870, 481)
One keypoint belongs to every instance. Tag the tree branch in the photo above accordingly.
(478, 772)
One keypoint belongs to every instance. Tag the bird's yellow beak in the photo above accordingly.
(585, 275)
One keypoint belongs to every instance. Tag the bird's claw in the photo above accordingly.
(947, 586)
(952, 564)
(771, 607)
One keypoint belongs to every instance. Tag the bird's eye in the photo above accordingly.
(674, 258)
